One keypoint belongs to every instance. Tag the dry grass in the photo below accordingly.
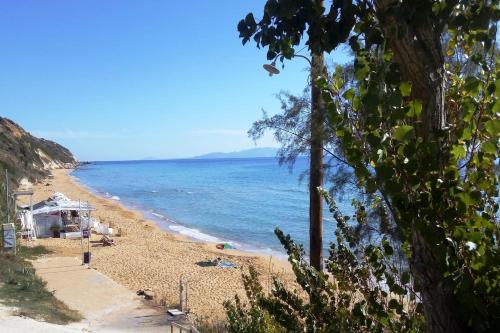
(22, 289)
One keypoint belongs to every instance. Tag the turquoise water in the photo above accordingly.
(240, 201)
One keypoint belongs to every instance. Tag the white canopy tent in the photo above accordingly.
(52, 212)
(59, 202)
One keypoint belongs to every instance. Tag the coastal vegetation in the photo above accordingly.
(24, 155)
(22, 290)
(416, 121)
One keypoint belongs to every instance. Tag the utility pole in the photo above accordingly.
(316, 168)
(316, 163)
(316, 171)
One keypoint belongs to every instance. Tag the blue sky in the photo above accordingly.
(119, 79)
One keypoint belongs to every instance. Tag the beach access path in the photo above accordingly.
(106, 305)
(11, 323)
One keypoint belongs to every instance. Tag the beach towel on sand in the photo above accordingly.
(226, 264)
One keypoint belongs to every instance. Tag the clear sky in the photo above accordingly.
(120, 79)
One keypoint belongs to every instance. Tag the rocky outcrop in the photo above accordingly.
(26, 156)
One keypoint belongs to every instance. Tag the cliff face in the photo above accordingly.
(24, 155)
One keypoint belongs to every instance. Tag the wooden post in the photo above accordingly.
(81, 231)
(89, 234)
(33, 230)
(187, 307)
(7, 207)
(180, 293)
(7, 194)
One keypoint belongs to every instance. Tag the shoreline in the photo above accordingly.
(147, 256)
(166, 223)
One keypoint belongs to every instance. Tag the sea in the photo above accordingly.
(238, 201)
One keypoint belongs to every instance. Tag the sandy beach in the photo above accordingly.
(147, 257)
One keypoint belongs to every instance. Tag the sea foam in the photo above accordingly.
(194, 233)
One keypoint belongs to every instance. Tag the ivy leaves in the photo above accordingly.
(403, 133)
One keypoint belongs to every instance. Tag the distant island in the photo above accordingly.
(247, 153)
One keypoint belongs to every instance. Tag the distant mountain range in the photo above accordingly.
(248, 153)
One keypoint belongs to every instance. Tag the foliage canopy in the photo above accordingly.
(419, 123)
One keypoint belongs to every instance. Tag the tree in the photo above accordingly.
(291, 128)
(316, 129)
(420, 133)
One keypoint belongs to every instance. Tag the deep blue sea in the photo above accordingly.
(239, 201)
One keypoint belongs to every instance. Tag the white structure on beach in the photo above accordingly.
(57, 212)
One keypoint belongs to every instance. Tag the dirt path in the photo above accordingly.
(106, 305)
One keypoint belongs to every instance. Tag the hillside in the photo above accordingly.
(249, 153)
(24, 155)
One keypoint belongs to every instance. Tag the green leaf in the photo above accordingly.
(472, 85)
(361, 68)
(489, 147)
(469, 107)
(415, 108)
(405, 277)
(384, 171)
(402, 133)
(397, 289)
(405, 88)
(465, 198)
(438, 6)
(349, 94)
(388, 250)
(493, 127)
(496, 107)
(249, 20)
(393, 304)
(458, 151)
(466, 134)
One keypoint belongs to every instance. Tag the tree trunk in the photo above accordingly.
(417, 49)
(316, 167)
(437, 298)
